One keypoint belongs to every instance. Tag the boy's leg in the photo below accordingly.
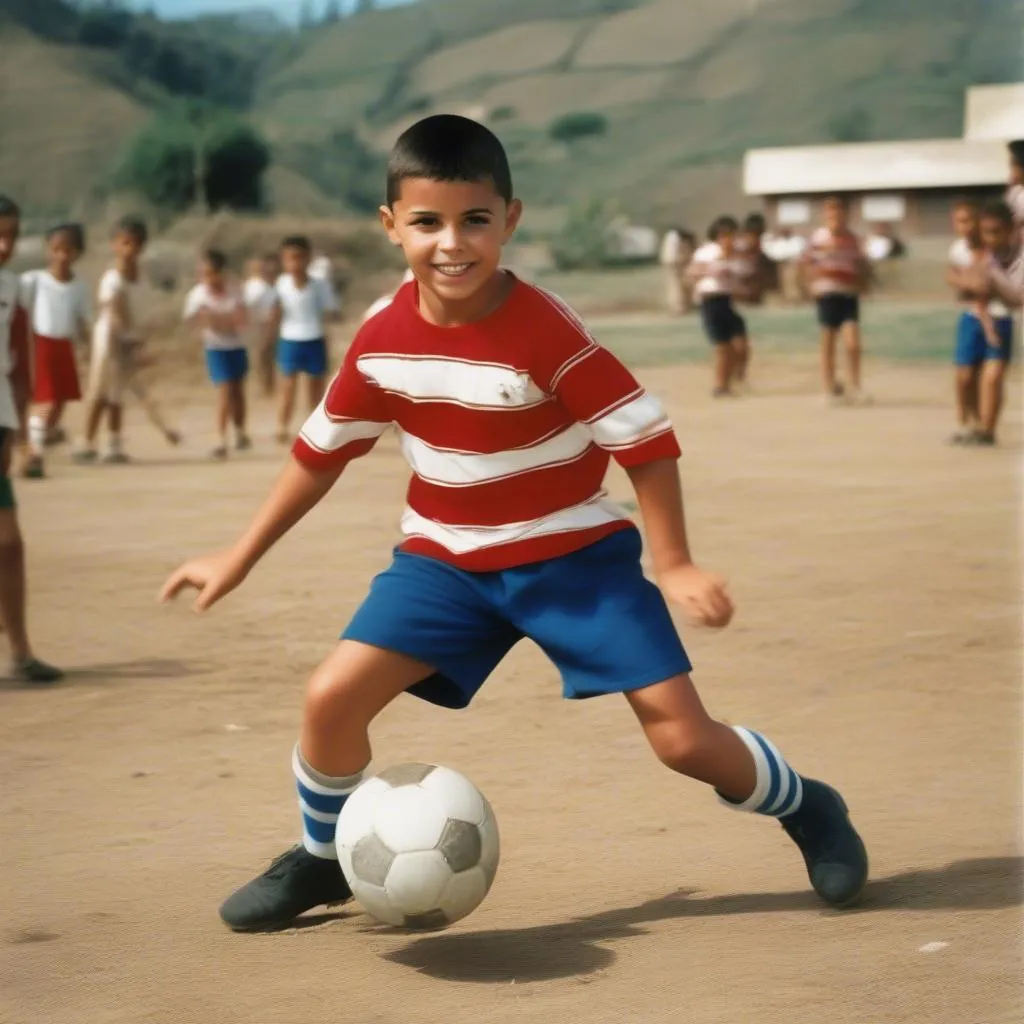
(749, 773)
(852, 343)
(993, 376)
(315, 387)
(13, 589)
(266, 365)
(286, 407)
(721, 368)
(740, 346)
(38, 425)
(224, 413)
(239, 414)
(832, 388)
(420, 613)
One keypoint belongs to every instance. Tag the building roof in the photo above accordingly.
(994, 112)
(875, 166)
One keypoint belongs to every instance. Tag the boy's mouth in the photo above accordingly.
(453, 269)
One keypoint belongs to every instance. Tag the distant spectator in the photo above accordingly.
(882, 244)
(677, 249)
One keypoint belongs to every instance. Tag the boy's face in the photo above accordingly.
(727, 240)
(268, 269)
(294, 260)
(965, 222)
(127, 246)
(10, 228)
(835, 215)
(62, 252)
(995, 233)
(451, 232)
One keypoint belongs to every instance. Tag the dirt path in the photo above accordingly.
(878, 642)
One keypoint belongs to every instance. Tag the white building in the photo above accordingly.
(910, 184)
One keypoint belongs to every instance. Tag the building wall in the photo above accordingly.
(925, 212)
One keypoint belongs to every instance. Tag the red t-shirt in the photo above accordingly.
(507, 423)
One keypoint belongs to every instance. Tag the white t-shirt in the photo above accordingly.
(56, 309)
(303, 309)
(230, 302)
(8, 307)
(112, 284)
(838, 260)
(717, 274)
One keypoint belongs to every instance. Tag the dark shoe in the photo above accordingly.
(837, 862)
(979, 439)
(32, 670)
(294, 883)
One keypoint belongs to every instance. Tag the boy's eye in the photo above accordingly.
(425, 221)
(478, 218)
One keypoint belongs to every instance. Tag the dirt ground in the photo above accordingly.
(878, 643)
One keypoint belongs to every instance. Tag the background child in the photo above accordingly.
(716, 271)
(14, 396)
(260, 301)
(117, 344)
(976, 329)
(216, 308)
(838, 273)
(304, 305)
(60, 316)
(1015, 191)
(999, 281)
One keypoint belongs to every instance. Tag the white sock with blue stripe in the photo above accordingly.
(320, 801)
(778, 789)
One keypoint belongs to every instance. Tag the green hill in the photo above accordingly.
(683, 86)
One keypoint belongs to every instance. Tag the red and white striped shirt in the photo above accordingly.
(507, 423)
(838, 261)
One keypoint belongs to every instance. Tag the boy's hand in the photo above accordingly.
(702, 595)
(214, 576)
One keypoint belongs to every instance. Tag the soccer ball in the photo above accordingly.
(418, 845)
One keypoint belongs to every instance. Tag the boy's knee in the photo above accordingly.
(682, 745)
(12, 547)
(327, 696)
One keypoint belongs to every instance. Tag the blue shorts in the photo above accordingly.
(972, 347)
(227, 364)
(308, 357)
(593, 613)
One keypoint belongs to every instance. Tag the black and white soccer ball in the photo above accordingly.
(419, 846)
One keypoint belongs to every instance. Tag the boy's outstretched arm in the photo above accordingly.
(298, 489)
(660, 497)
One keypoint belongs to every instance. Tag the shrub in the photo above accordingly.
(569, 127)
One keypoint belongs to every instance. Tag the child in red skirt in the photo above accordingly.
(59, 312)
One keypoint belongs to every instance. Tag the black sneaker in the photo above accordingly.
(294, 883)
(32, 670)
(837, 862)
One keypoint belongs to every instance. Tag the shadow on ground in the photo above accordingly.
(575, 948)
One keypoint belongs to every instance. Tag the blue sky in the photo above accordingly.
(287, 9)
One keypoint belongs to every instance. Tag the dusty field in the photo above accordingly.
(878, 643)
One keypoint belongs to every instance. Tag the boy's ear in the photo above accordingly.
(513, 214)
(387, 219)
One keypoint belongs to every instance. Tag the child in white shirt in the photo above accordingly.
(304, 304)
(59, 314)
(260, 296)
(216, 308)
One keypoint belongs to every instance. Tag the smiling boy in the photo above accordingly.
(508, 412)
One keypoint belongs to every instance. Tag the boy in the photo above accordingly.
(1015, 191)
(58, 308)
(15, 386)
(305, 303)
(508, 411)
(261, 301)
(116, 348)
(216, 309)
(718, 271)
(998, 281)
(838, 272)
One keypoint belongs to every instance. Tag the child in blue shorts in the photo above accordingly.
(304, 305)
(509, 412)
(216, 308)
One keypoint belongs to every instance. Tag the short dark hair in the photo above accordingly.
(836, 197)
(996, 209)
(720, 224)
(74, 231)
(966, 203)
(755, 222)
(1016, 149)
(298, 242)
(447, 147)
(215, 258)
(134, 227)
(8, 207)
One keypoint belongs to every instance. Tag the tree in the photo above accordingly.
(332, 12)
(307, 19)
(364, 6)
(194, 153)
